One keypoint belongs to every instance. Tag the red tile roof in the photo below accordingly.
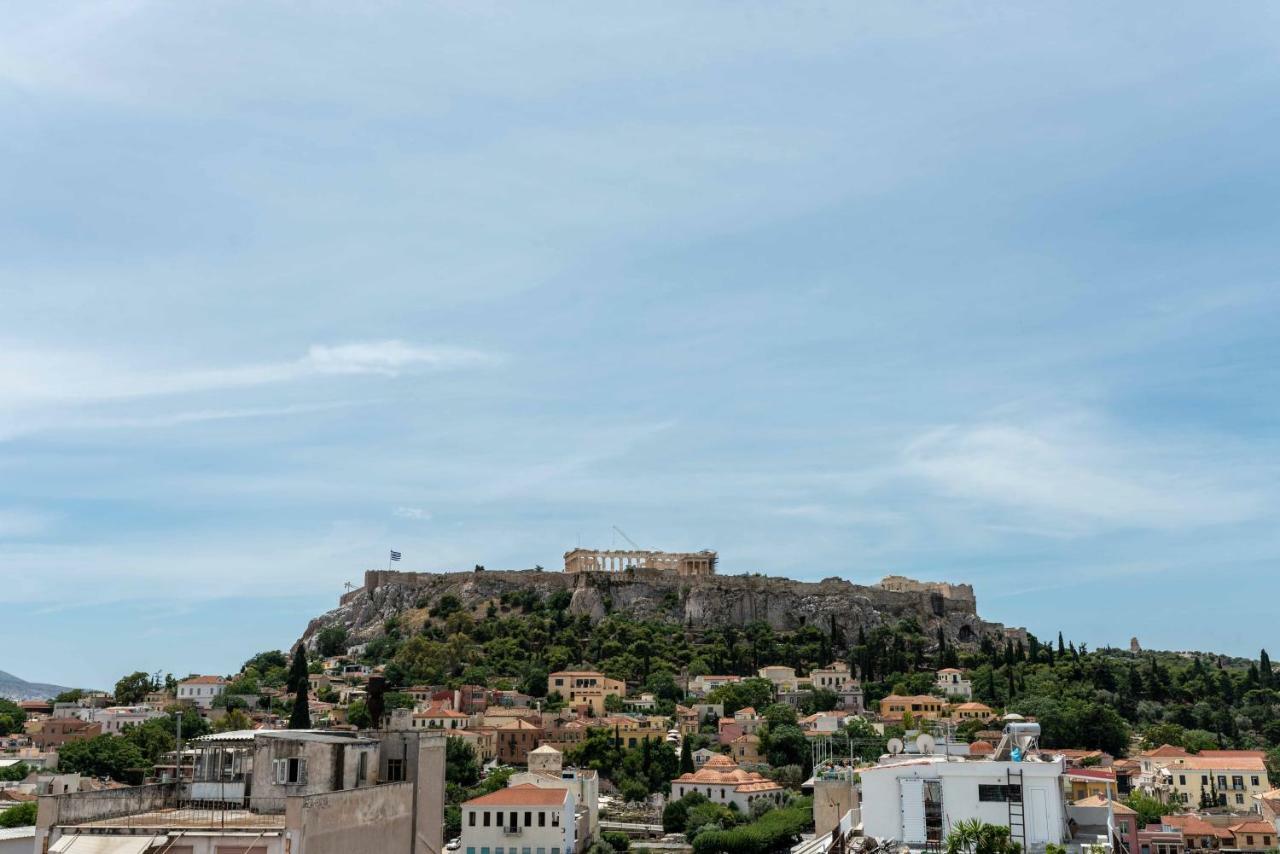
(524, 795)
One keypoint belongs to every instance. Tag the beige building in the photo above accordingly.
(782, 677)
(834, 677)
(201, 691)
(722, 781)
(585, 689)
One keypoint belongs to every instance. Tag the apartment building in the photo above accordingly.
(585, 690)
(201, 691)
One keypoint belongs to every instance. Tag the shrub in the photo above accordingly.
(617, 840)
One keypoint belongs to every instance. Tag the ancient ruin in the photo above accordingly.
(618, 560)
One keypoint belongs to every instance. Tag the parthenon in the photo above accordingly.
(680, 563)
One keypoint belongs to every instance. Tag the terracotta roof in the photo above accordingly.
(1247, 761)
(204, 680)
(524, 795)
(435, 712)
(973, 707)
(980, 747)
(1190, 824)
(519, 723)
(720, 761)
(1231, 754)
(1253, 827)
(1117, 807)
(749, 710)
(1105, 774)
(1164, 750)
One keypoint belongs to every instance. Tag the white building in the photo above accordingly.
(919, 800)
(723, 782)
(201, 691)
(833, 677)
(523, 819)
(115, 718)
(547, 771)
(953, 684)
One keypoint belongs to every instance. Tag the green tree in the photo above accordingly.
(104, 756)
(23, 815)
(331, 640)
(14, 773)
(462, 767)
(134, 688)
(1149, 809)
(233, 720)
(299, 673)
(12, 717)
(686, 757)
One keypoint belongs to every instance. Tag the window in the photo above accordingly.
(528, 819)
(1237, 781)
(290, 772)
(542, 822)
(1222, 781)
(1253, 780)
(999, 793)
(1239, 798)
(362, 768)
(471, 822)
(395, 770)
(1182, 779)
(555, 819)
(1248, 840)
(471, 850)
(486, 818)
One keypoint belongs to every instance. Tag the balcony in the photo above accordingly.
(511, 831)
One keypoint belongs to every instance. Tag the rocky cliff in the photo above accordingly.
(648, 594)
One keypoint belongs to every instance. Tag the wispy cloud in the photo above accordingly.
(34, 376)
(19, 523)
(416, 513)
(1078, 477)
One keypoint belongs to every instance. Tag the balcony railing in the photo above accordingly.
(511, 831)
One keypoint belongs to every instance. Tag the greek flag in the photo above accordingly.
(395, 555)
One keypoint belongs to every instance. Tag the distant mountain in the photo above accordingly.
(13, 688)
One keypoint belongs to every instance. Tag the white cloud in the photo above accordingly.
(416, 513)
(35, 376)
(1070, 475)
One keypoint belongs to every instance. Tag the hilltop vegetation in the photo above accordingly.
(1094, 699)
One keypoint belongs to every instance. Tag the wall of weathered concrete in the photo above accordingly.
(372, 820)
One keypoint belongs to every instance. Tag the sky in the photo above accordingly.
(963, 291)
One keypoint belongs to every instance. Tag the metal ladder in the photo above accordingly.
(1017, 817)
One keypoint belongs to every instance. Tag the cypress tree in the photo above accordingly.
(1264, 668)
(686, 757)
(1061, 649)
(299, 682)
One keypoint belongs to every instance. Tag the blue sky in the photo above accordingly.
(961, 291)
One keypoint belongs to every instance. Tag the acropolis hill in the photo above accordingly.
(682, 589)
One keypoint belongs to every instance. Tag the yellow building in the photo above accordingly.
(833, 677)
(1235, 778)
(585, 689)
(631, 731)
(973, 711)
(894, 706)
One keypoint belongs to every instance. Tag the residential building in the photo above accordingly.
(55, 732)
(782, 677)
(686, 720)
(1230, 778)
(702, 756)
(439, 717)
(114, 719)
(1198, 834)
(585, 690)
(522, 819)
(951, 683)
(1092, 814)
(973, 711)
(915, 800)
(834, 677)
(723, 782)
(201, 691)
(1254, 835)
(515, 739)
(483, 739)
(1083, 783)
(629, 731)
(921, 707)
(1160, 839)
(700, 686)
(299, 792)
(745, 750)
(546, 770)
(646, 702)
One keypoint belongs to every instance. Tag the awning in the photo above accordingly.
(83, 843)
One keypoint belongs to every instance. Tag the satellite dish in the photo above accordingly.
(895, 746)
(925, 743)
